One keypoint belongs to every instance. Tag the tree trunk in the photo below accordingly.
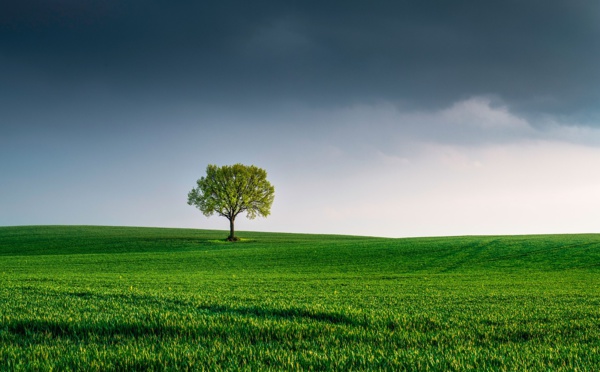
(231, 230)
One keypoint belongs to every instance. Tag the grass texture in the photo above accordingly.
(121, 298)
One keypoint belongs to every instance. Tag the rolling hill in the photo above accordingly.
(97, 298)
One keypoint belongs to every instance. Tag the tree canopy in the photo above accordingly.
(233, 189)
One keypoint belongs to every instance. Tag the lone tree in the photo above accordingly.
(232, 189)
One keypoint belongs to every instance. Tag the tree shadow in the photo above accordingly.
(175, 304)
(37, 330)
(291, 314)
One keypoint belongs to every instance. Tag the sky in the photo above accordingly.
(379, 118)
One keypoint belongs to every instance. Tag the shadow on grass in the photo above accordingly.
(291, 314)
(227, 241)
(174, 304)
(28, 329)
(40, 330)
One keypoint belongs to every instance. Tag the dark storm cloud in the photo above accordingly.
(537, 56)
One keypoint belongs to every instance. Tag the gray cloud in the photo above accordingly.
(538, 56)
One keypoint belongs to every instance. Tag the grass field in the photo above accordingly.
(118, 298)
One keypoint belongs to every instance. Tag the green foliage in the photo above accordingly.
(233, 189)
(118, 298)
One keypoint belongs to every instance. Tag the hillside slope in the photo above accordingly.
(307, 252)
(126, 298)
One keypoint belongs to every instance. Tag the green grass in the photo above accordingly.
(121, 298)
